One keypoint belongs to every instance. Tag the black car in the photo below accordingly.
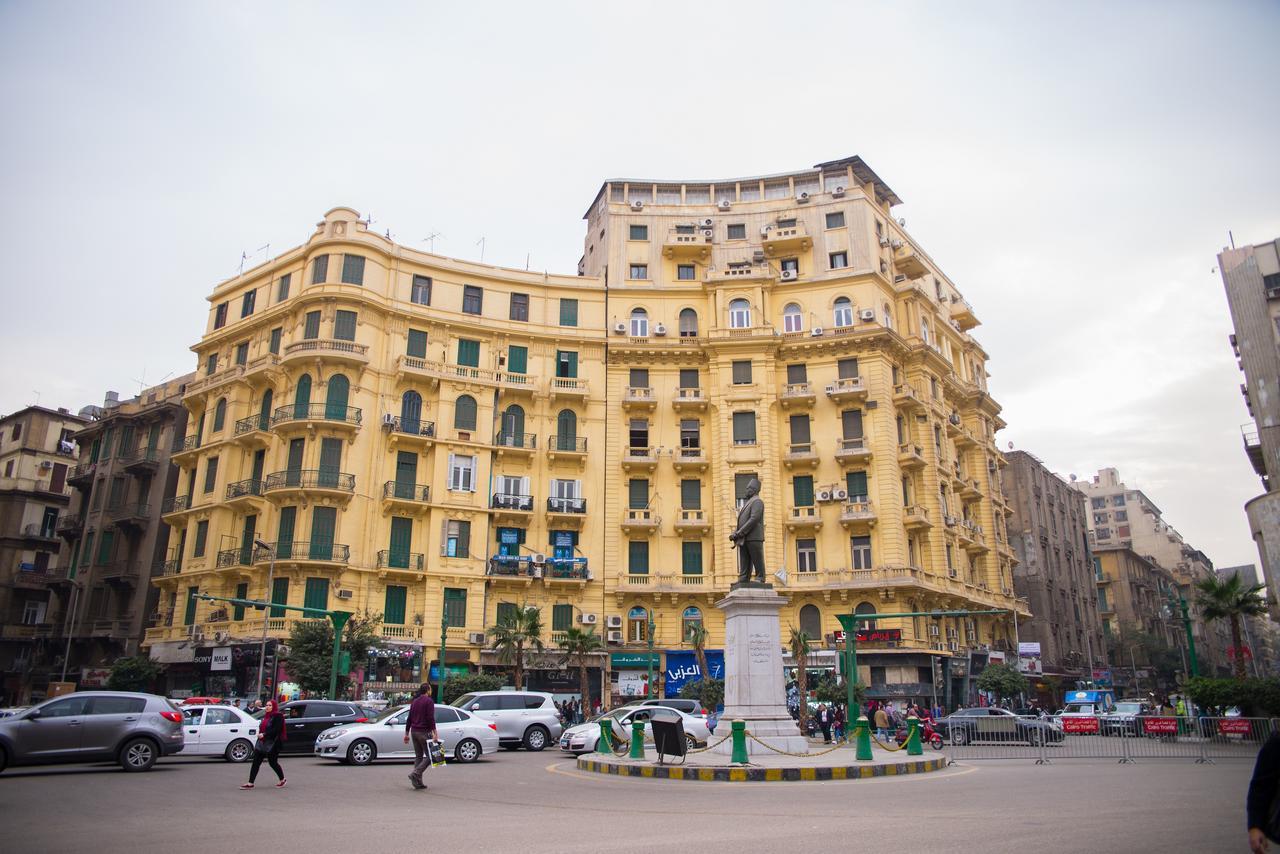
(964, 726)
(304, 720)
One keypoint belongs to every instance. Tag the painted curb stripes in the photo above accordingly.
(761, 775)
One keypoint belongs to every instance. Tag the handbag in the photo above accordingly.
(436, 750)
(264, 746)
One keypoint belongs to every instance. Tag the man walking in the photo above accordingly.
(421, 730)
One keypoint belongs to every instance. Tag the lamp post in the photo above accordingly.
(266, 613)
(440, 675)
(649, 684)
(1180, 602)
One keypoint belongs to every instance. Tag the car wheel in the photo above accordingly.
(362, 752)
(959, 737)
(138, 754)
(4, 759)
(467, 750)
(690, 743)
(239, 750)
(535, 738)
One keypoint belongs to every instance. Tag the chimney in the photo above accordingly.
(112, 401)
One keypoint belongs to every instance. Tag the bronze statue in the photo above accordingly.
(749, 536)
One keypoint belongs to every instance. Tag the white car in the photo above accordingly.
(583, 738)
(219, 730)
(464, 737)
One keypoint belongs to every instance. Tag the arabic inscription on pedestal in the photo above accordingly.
(760, 648)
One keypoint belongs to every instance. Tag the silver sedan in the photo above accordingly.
(465, 738)
(584, 738)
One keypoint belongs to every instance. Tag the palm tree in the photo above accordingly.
(697, 635)
(1229, 599)
(576, 646)
(510, 637)
(800, 649)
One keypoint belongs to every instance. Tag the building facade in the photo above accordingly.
(1049, 531)
(37, 455)
(1133, 593)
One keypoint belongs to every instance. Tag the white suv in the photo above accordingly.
(526, 718)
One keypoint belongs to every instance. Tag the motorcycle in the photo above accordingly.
(927, 735)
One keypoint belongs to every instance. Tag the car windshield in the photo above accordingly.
(1079, 708)
(389, 713)
(615, 714)
(462, 701)
(1128, 708)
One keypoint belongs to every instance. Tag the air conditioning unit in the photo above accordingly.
(724, 205)
(933, 631)
(614, 622)
(837, 192)
(619, 329)
(659, 329)
(789, 275)
(388, 421)
(801, 198)
(840, 495)
(539, 558)
(221, 637)
(45, 465)
(587, 619)
(824, 495)
(475, 637)
(816, 332)
(344, 594)
(884, 242)
(708, 222)
(614, 637)
(764, 230)
(867, 315)
(197, 633)
(536, 571)
(708, 233)
(757, 257)
(637, 205)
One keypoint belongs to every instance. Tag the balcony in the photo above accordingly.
(850, 451)
(513, 384)
(392, 560)
(567, 570)
(800, 455)
(412, 432)
(570, 387)
(69, 525)
(409, 496)
(328, 350)
(517, 569)
(907, 399)
(111, 627)
(693, 522)
(141, 460)
(962, 314)
(217, 379)
(245, 493)
(183, 448)
(907, 261)
(803, 518)
(689, 459)
(37, 531)
(134, 515)
(639, 459)
(638, 398)
(1252, 449)
(566, 511)
(965, 438)
(31, 579)
(252, 432)
(304, 551)
(847, 390)
(642, 520)
(120, 572)
(572, 448)
(797, 394)
(911, 456)
(173, 506)
(915, 517)
(857, 514)
(520, 444)
(507, 505)
(400, 632)
(168, 567)
(58, 577)
(81, 475)
(782, 240)
(689, 400)
(287, 485)
(968, 488)
(308, 416)
(972, 538)
(242, 556)
(687, 243)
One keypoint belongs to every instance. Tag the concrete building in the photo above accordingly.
(1133, 592)
(37, 453)
(1049, 533)
(1251, 276)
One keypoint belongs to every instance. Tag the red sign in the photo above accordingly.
(1080, 726)
(878, 635)
(1234, 726)
(1160, 726)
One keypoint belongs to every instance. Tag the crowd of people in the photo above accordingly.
(571, 711)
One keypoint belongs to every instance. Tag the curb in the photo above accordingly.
(762, 775)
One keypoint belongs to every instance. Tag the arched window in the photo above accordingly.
(566, 430)
(302, 397)
(811, 622)
(924, 330)
(792, 319)
(865, 608)
(264, 411)
(843, 312)
(219, 414)
(688, 323)
(335, 399)
(512, 433)
(464, 413)
(739, 314)
(637, 625)
(639, 323)
(411, 412)
(887, 316)
(690, 620)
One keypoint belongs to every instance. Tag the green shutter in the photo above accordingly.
(353, 269)
(455, 606)
(417, 344)
(638, 557)
(279, 595)
(401, 538)
(284, 533)
(802, 489)
(323, 522)
(344, 325)
(311, 325)
(468, 353)
(190, 616)
(104, 546)
(317, 594)
(393, 609)
(566, 364)
(691, 494)
(517, 359)
(242, 592)
(856, 484)
(691, 557)
(638, 493)
(506, 613)
(568, 312)
(75, 558)
(561, 618)
(274, 346)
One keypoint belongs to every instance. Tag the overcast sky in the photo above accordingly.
(1074, 168)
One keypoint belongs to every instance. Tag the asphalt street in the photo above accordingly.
(535, 802)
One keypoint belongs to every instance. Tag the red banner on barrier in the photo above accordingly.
(1236, 726)
(1080, 726)
(1160, 726)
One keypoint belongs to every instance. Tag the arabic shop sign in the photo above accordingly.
(871, 636)
(682, 667)
(628, 660)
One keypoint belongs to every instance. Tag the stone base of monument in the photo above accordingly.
(766, 766)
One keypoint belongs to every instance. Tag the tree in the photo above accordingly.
(138, 673)
(831, 689)
(1229, 599)
(800, 649)
(456, 686)
(511, 637)
(697, 635)
(310, 655)
(578, 646)
(1002, 680)
(707, 691)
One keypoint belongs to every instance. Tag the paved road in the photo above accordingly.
(535, 802)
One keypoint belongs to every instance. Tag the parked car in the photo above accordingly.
(689, 707)
(1125, 719)
(464, 737)
(219, 730)
(584, 738)
(964, 726)
(93, 726)
(526, 718)
(304, 720)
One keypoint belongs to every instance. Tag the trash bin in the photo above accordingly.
(668, 733)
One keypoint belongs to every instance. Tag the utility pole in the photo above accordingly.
(266, 616)
(440, 674)
(649, 685)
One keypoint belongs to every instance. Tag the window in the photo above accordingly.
(688, 323)
(242, 353)
(353, 269)
(686, 272)
(861, 552)
(790, 265)
(638, 232)
(247, 302)
(311, 325)
(851, 423)
(792, 320)
(1098, 503)
(220, 316)
(344, 326)
(517, 359)
(211, 364)
(464, 413)
(639, 323)
(319, 269)
(457, 538)
(273, 345)
(316, 593)
(802, 490)
(519, 309)
(566, 364)
(1122, 516)
(837, 260)
(886, 316)
(420, 290)
(202, 536)
(855, 483)
(744, 428)
(462, 473)
(797, 373)
(639, 434)
(568, 312)
(468, 353)
(1117, 501)
(690, 433)
(843, 312)
(1104, 533)
(505, 616)
(219, 414)
(638, 625)
(739, 314)
(455, 606)
(740, 482)
(561, 618)
(639, 271)
(638, 493)
(638, 377)
(924, 332)
(1099, 518)
(807, 555)
(800, 433)
(847, 369)
(417, 344)
(211, 474)
(688, 378)
(736, 231)
(472, 299)
(282, 290)
(742, 372)
(835, 219)
(638, 557)
(691, 619)
(811, 621)
(690, 494)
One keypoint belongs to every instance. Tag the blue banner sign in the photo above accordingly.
(682, 667)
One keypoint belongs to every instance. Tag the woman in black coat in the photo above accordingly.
(270, 737)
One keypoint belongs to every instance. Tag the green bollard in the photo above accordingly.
(913, 736)
(605, 743)
(739, 743)
(637, 740)
(862, 735)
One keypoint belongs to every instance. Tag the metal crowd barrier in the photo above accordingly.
(1127, 739)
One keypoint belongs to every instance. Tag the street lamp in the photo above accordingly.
(649, 685)
(266, 612)
(1180, 602)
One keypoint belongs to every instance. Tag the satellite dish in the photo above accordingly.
(781, 575)
(1011, 446)
(1073, 478)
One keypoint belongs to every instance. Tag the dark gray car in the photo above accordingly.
(93, 726)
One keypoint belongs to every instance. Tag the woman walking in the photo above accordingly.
(270, 737)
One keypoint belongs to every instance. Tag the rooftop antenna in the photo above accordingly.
(526, 261)
(480, 243)
(265, 250)
(142, 381)
(244, 256)
(37, 394)
(1232, 238)
(431, 239)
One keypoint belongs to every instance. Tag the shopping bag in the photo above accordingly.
(437, 754)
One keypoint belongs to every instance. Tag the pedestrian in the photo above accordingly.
(271, 734)
(882, 724)
(420, 728)
(824, 722)
(1260, 805)
(838, 723)
(712, 720)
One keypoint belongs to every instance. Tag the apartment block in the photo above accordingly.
(1133, 597)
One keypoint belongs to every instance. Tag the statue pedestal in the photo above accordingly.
(754, 690)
